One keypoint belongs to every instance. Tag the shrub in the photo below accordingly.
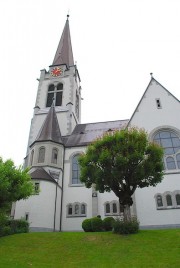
(108, 223)
(86, 225)
(126, 227)
(97, 224)
(19, 226)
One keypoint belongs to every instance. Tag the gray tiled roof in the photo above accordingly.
(64, 54)
(84, 134)
(40, 173)
(50, 130)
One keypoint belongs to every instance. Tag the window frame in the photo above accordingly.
(172, 139)
(111, 212)
(55, 92)
(41, 156)
(76, 210)
(71, 183)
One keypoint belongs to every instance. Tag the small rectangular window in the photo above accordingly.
(26, 216)
(158, 103)
(36, 187)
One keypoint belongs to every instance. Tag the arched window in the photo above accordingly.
(75, 170)
(171, 145)
(76, 209)
(54, 92)
(83, 209)
(54, 156)
(70, 209)
(41, 156)
(178, 199)
(159, 201)
(114, 207)
(31, 157)
(107, 208)
(169, 200)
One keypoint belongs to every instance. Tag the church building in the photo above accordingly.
(57, 138)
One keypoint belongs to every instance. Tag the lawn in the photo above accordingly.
(157, 248)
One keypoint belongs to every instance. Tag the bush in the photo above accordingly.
(19, 226)
(8, 227)
(108, 223)
(97, 224)
(126, 227)
(86, 225)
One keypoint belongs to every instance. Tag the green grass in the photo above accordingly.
(158, 248)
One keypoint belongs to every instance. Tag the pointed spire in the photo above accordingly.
(64, 54)
(50, 129)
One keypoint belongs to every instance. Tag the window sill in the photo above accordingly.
(75, 216)
(168, 208)
(76, 185)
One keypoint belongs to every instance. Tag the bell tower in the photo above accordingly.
(61, 84)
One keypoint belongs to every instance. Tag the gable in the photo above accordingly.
(157, 107)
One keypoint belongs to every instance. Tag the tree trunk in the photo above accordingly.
(127, 213)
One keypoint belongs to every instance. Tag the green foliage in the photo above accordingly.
(19, 226)
(8, 227)
(94, 224)
(15, 184)
(86, 225)
(126, 227)
(121, 161)
(97, 224)
(108, 223)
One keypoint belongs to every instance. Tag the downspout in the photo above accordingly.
(60, 226)
(55, 203)
(55, 208)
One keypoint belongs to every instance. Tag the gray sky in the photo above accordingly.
(116, 45)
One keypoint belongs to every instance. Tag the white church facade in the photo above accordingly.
(57, 137)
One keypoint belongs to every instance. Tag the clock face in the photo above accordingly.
(56, 71)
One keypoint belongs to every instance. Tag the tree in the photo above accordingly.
(15, 184)
(121, 161)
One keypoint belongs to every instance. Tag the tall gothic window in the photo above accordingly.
(75, 170)
(178, 199)
(41, 156)
(169, 200)
(159, 201)
(171, 145)
(54, 93)
(54, 156)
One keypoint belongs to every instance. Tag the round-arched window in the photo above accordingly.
(171, 145)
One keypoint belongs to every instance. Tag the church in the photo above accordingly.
(57, 137)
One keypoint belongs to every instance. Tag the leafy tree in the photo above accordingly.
(121, 161)
(15, 184)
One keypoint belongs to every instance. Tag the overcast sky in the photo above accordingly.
(116, 45)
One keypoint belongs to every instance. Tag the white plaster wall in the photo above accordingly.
(40, 207)
(146, 204)
(72, 194)
(149, 117)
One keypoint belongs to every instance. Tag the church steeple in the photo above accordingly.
(50, 130)
(64, 53)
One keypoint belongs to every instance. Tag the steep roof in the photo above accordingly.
(40, 173)
(64, 54)
(50, 130)
(84, 134)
